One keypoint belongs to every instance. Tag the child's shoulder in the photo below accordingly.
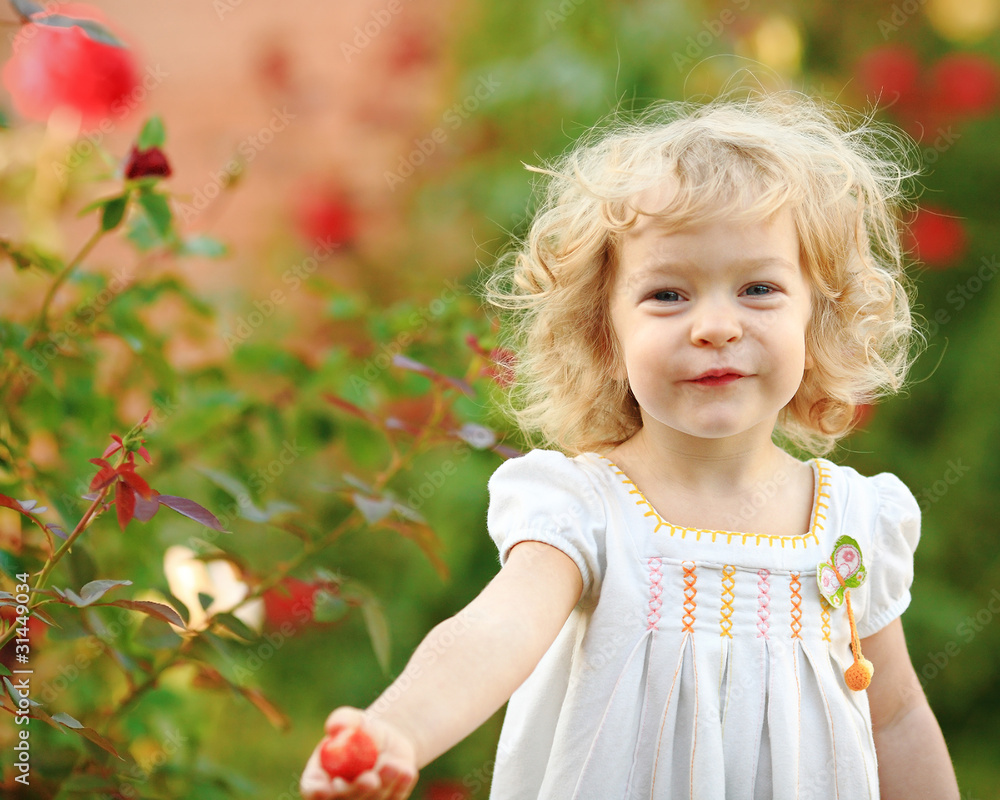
(540, 468)
(878, 493)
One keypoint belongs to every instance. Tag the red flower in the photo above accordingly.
(964, 84)
(889, 73)
(63, 67)
(442, 789)
(937, 237)
(147, 163)
(326, 217)
(291, 602)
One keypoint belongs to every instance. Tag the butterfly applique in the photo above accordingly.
(845, 570)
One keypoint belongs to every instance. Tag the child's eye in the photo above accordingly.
(759, 290)
(666, 296)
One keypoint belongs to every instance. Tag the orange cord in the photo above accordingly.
(858, 676)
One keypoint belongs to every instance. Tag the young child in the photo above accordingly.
(675, 615)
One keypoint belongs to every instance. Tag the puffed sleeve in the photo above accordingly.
(894, 539)
(546, 497)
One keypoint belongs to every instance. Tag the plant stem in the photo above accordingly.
(43, 317)
(81, 526)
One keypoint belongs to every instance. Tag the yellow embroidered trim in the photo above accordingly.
(822, 485)
(689, 594)
(825, 614)
(795, 585)
(728, 595)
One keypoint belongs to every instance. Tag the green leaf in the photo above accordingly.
(328, 607)
(113, 212)
(26, 8)
(95, 30)
(375, 621)
(73, 724)
(27, 256)
(152, 134)
(157, 210)
(234, 624)
(202, 245)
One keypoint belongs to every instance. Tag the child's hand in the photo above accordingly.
(392, 777)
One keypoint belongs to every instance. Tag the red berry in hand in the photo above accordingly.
(348, 753)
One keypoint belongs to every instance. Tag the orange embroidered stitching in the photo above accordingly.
(822, 482)
(689, 594)
(655, 592)
(795, 585)
(728, 585)
(825, 614)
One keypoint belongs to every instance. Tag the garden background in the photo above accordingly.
(280, 282)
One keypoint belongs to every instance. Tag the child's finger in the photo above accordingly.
(344, 717)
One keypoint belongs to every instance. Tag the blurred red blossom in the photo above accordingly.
(936, 236)
(147, 163)
(444, 789)
(292, 602)
(326, 215)
(965, 84)
(889, 74)
(54, 67)
(956, 87)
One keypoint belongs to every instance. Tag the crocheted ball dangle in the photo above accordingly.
(836, 577)
(859, 675)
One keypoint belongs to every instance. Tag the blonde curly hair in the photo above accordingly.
(845, 181)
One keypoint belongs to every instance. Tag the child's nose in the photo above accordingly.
(715, 324)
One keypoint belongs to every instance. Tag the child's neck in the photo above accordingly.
(704, 483)
(706, 465)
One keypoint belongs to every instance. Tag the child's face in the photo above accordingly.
(712, 323)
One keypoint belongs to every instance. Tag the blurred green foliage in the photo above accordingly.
(530, 79)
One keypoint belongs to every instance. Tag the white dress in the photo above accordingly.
(698, 664)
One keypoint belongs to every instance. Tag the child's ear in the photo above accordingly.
(810, 361)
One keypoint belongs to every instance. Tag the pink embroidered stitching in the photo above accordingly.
(655, 592)
(689, 594)
(763, 601)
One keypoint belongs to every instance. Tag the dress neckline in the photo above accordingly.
(821, 492)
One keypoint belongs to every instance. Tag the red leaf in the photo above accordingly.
(145, 454)
(114, 447)
(190, 509)
(104, 476)
(128, 474)
(124, 503)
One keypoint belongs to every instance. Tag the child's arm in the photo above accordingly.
(913, 759)
(468, 666)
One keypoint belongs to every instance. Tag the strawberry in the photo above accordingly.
(348, 753)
